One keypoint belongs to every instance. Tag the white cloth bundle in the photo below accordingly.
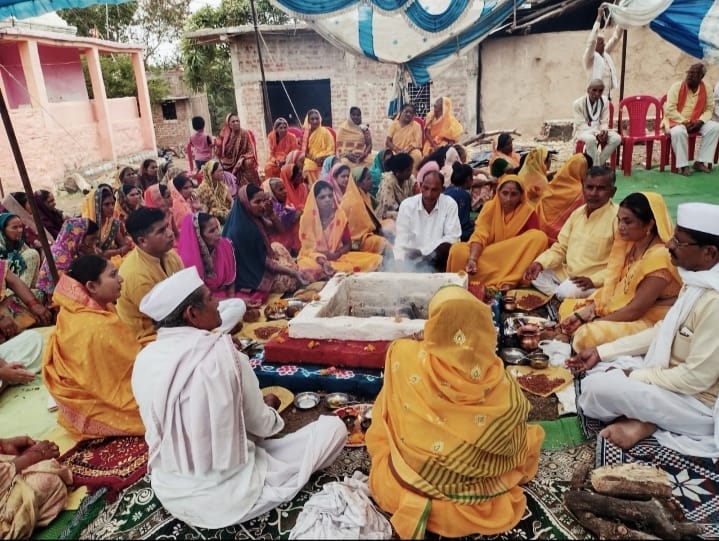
(633, 13)
(342, 511)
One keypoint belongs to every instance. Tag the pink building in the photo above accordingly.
(58, 126)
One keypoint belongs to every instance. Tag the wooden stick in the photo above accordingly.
(474, 138)
(579, 478)
(653, 514)
(606, 529)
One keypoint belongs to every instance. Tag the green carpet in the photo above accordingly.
(703, 187)
(24, 411)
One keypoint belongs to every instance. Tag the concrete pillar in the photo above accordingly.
(472, 63)
(102, 107)
(34, 78)
(143, 100)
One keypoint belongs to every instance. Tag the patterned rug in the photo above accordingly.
(138, 514)
(113, 463)
(695, 481)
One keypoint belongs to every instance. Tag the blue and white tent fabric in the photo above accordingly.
(691, 25)
(22, 9)
(422, 36)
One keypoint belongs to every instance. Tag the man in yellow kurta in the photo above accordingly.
(449, 439)
(152, 260)
(575, 265)
(689, 108)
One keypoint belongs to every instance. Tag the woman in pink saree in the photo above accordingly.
(202, 245)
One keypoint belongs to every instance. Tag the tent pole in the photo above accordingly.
(624, 63)
(265, 96)
(10, 131)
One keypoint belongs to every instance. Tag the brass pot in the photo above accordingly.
(528, 337)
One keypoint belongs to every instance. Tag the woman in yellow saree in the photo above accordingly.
(534, 173)
(326, 239)
(504, 149)
(441, 127)
(99, 206)
(563, 196)
(641, 283)
(354, 140)
(449, 439)
(505, 241)
(89, 358)
(317, 145)
(405, 135)
(365, 228)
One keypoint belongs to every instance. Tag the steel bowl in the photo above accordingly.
(538, 360)
(306, 400)
(336, 400)
(513, 356)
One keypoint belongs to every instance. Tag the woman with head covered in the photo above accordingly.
(449, 441)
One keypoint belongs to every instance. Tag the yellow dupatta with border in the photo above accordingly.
(621, 283)
(88, 365)
(449, 427)
(492, 225)
(563, 196)
(317, 144)
(534, 173)
(407, 138)
(443, 129)
(314, 239)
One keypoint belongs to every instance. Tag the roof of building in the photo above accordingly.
(67, 40)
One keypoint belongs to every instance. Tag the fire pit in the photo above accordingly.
(371, 306)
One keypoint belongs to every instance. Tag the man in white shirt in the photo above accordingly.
(596, 59)
(206, 419)
(591, 124)
(427, 226)
(672, 392)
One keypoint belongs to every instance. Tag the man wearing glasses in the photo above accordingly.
(672, 391)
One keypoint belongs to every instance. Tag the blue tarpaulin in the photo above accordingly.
(22, 9)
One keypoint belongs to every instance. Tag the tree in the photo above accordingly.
(207, 67)
(106, 21)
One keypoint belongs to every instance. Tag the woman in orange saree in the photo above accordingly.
(534, 173)
(641, 283)
(317, 145)
(449, 439)
(405, 135)
(505, 241)
(563, 196)
(281, 143)
(441, 127)
(326, 239)
(503, 149)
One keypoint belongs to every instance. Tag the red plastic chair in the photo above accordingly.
(637, 110)
(334, 135)
(298, 133)
(579, 146)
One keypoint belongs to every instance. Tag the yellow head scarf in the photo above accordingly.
(563, 195)
(447, 126)
(492, 225)
(312, 236)
(534, 173)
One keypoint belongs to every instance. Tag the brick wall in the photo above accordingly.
(173, 133)
(354, 80)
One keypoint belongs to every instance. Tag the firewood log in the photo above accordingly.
(607, 529)
(631, 480)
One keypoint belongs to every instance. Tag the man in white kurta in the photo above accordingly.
(206, 419)
(575, 265)
(591, 124)
(427, 226)
(596, 58)
(672, 391)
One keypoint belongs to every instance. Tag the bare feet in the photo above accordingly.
(626, 433)
(699, 166)
(684, 171)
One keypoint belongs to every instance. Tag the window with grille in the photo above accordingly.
(419, 96)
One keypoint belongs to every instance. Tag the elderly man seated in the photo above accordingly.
(671, 392)
(688, 110)
(207, 421)
(427, 225)
(575, 265)
(591, 124)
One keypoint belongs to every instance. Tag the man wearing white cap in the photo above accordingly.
(671, 392)
(206, 418)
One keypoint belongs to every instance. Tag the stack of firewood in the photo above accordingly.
(627, 501)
